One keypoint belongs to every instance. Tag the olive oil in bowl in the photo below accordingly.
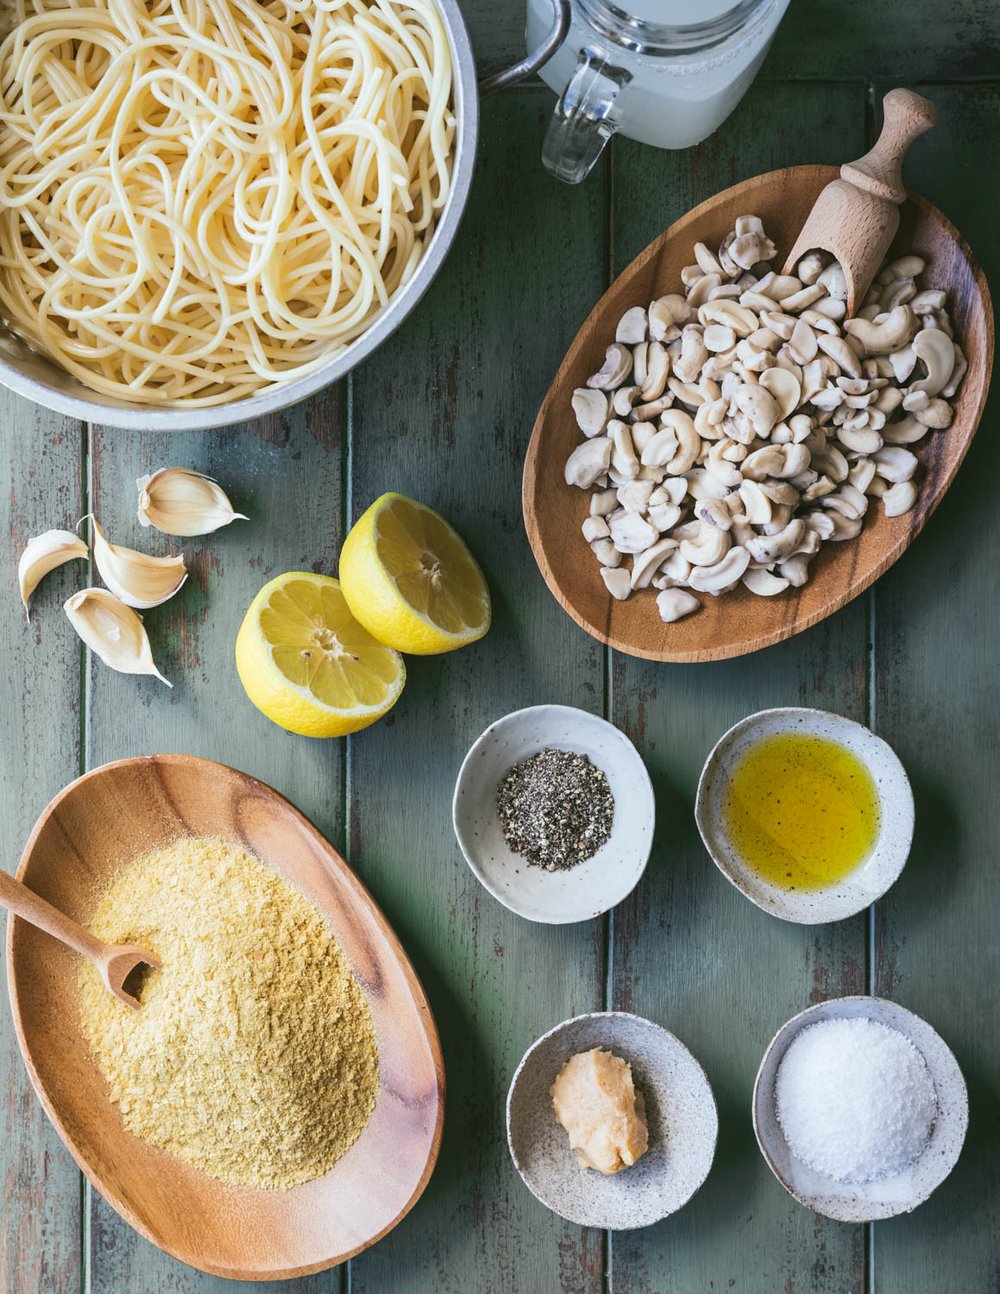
(802, 811)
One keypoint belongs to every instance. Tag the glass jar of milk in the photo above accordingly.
(666, 72)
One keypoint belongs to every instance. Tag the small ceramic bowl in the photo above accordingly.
(866, 883)
(680, 1111)
(893, 1195)
(591, 887)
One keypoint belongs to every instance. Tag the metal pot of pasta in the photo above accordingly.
(211, 210)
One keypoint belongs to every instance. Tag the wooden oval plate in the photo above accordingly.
(105, 819)
(741, 622)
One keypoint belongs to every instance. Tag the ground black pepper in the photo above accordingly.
(555, 809)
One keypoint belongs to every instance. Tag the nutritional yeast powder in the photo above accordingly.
(253, 1055)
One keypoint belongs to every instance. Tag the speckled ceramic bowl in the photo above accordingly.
(867, 882)
(680, 1110)
(591, 887)
(874, 1200)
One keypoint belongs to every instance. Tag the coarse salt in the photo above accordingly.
(855, 1100)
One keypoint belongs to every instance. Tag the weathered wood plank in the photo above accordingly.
(286, 475)
(40, 716)
(938, 701)
(496, 31)
(902, 41)
(443, 413)
(689, 951)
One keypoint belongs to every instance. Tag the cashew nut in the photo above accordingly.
(634, 495)
(666, 313)
(675, 604)
(842, 354)
(860, 475)
(642, 434)
(810, 267)
(632, 326)
(624, 459)
(860, 440)
(795, 570)
(615, 369)
(756, 503)
(764, 583)
(632, 533)
(660, 449)
(731, 314)
(664, 516)
(587, 462)
(617, 581)
(723, 575)
(688, 441)
(848, 502)
(802, 344)
(895, 464)
(937, 414)
(606, 553)
(657, 371)
(710, 546)
(796, 301)
(624, 399)
(937, 351)
(957, 373)
(591, 409)
(678, 568)
(703, 485)
(844, 527)
(899, 499)
(693, 354)
(896, 331)
(719, 337)
(785, 387)
(671, 490)
(907, 431)
(653, 409)
(768, 549)
(834, 281)
(644, 565)
(760, 407)
(722, 469)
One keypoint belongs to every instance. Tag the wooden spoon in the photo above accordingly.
(856, 216)
(116, 962)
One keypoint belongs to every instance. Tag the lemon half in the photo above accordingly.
(411, 581)
(308, 665)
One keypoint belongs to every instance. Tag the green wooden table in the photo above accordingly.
(443, 412)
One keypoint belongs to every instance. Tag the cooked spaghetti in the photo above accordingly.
(202, 198)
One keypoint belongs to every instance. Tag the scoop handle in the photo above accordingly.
(880, 171)
(38, 912)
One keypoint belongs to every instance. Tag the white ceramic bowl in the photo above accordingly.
(680, 1111)
(591, 887)
(866, 883)
(893, 1195)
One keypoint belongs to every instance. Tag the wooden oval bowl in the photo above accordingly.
(115, 814)
(740, 622)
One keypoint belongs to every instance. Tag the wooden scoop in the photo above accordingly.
(116, 962)
(856, 217)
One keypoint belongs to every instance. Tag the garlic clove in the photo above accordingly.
(136, 578)
(112, 631)
(181, 502)
(43, 553)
